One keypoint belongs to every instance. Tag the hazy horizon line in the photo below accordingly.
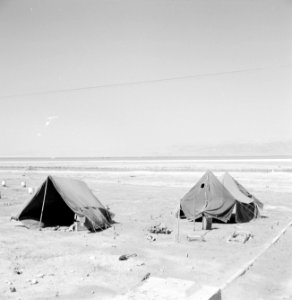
(150, 157)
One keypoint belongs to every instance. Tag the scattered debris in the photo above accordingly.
(40, 275)
(151, 237)
(199, 238)
(146, 277)
(115, 235)
(240, 237)
(127, 256)
(160, 229)
(18, 271)
(33, 281)
(140, 264)
(12, 289)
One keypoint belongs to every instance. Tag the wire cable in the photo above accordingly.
(132, 83)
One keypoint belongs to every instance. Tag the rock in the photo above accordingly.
(12, 289)
(33, 281)
(160, 229)
(151, 238)
(40, 275)
(240, 237)
(192, 238)
(146, 277)
(127, 256)
(18, 271)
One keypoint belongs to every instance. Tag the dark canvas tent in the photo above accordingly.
(62, 198)
(209, 198)
(247, 206)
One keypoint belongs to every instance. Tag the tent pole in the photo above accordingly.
(46, 187)
(178, 217)
(194, 214)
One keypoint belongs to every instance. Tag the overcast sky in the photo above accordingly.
(231, 60)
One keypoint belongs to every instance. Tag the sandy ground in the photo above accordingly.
(74, 265)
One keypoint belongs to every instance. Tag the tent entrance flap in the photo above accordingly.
(55, 210)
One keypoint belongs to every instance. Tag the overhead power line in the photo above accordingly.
(151, 81)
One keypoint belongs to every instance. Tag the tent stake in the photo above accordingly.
(44, 202)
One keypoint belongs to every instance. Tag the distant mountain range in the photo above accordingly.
(235, 149)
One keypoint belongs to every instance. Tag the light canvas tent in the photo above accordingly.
(209, 198)
(58, 200)
(247, 206)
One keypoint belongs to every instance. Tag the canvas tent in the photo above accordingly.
(58, 200)
(247, 206)
(209, 198)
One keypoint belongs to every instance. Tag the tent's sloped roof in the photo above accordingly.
(78, 198)
(238, 191)
(210, 197)
(81, 200)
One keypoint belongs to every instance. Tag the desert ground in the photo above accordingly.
(48, 264)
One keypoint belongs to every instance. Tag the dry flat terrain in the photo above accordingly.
(51, 264)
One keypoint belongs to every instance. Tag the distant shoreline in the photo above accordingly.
(147, 158)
